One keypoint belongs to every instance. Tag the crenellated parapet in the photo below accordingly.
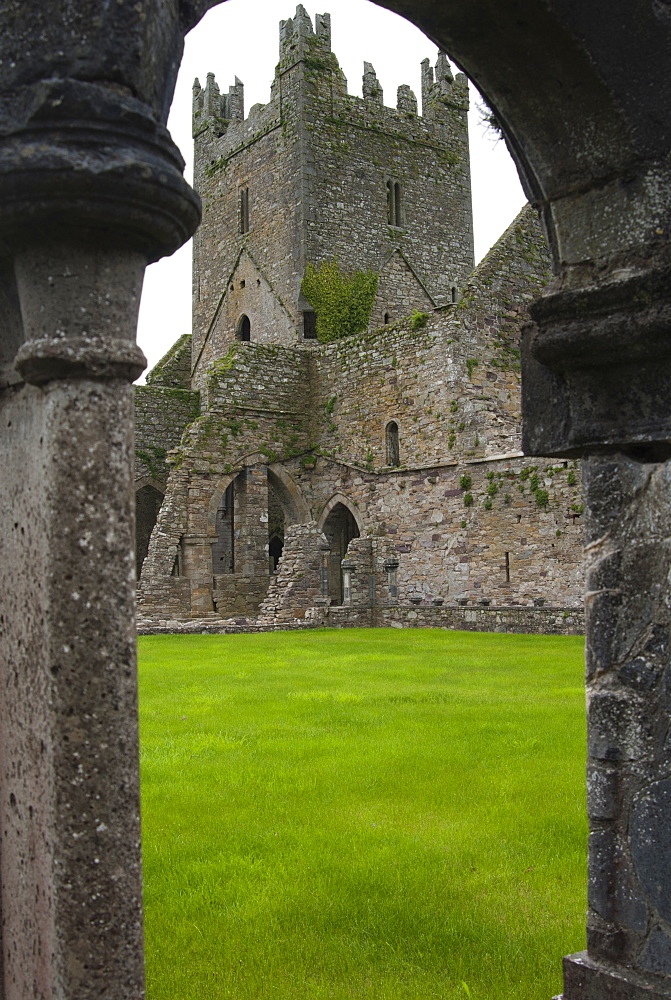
(372, 89)
(441, 89)
(214, 110)
(297, 37)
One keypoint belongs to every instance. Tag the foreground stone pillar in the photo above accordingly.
(91, 190)
(69, 796)
(628, 548)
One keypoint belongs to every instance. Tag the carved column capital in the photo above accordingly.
(87, 159)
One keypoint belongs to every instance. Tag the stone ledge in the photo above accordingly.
(533, 621)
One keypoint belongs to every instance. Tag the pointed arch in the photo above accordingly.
(346, 502)
(290, 494)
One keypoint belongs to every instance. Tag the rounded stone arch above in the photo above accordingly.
(339, 498)
(290, 494)
(243, 328)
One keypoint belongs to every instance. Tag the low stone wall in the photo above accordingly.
(534, 620)
(531, 620)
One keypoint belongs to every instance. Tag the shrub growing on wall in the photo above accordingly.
(342, 302)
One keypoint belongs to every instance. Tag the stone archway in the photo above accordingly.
(584, 107)
(339, 524)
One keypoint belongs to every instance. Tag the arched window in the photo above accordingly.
(454, 293)
(386, 318)
(391, 435)
(244, 330)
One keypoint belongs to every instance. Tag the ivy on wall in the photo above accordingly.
(342, 302)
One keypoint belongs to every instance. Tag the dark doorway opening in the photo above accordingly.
(223, 550)
(244, 331)
(275, 546)
(148, 502)
(340, 528)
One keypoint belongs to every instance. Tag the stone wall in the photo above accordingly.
(300, 583)
(356, 146)
(161, 415)
(174, 368)
(533, 621)
(163, 408)
(452, 384)
(451, 548)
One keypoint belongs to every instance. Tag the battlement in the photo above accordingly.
(305, 54)
(211, 107)
(297, 31)
(440, 88)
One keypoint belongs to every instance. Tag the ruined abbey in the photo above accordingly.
(405, 437)
(377, 478)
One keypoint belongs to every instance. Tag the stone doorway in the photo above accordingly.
(223, 550)
(148, 502)
(340, 528)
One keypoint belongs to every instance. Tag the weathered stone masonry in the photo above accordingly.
(316, 163)
(293, 432)
(90, 190)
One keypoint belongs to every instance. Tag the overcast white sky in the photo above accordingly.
(240, 38)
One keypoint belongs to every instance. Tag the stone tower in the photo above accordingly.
(317, 173)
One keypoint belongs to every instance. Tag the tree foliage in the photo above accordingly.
(342, 302)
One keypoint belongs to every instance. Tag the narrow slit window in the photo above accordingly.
(507, 566)
(391, 435)
(244, 209)
(394, 203)
(454, 294)
(398, 206)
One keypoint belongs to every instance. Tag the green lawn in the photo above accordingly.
(376, 814)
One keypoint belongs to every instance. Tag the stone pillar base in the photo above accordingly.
(585, 979)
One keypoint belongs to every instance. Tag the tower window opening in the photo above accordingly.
(507, 566)
(454, 294)
(309, 325)
(244, 209)
(386, 318)
(244, 330)
(391, 436)
(394, 203)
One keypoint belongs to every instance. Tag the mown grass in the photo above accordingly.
(368, 814)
